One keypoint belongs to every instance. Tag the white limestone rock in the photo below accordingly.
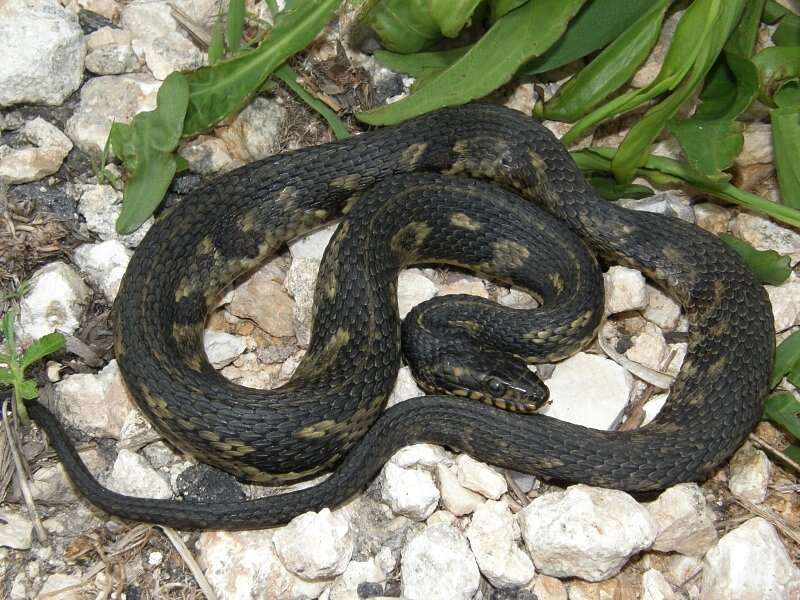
(750, 563)
(223, 348)
(625, 290)
(50, 148)
(437, 565)
(104, 264)
(685, 523)
(313, 244)
(765, 234)
(101, 206)
(656, 587)
(712, 217)
(106, 100)
(409, 492)
(263, 299)
(96, 404)
(480, 477)
(748, 474)
(300, 283)
(585, 532)
(254, 133)
(649, 347)
(405, 387)
(589, 390)
(661, 309)
(785, 308)
(243, 565)
(427, 456)
(413, 288)
(43, 52)
(315, 545)
(132, 475)
(664, 203)
(56, 300)
(15, 530)
(457, 499)
(493, 535)
(357, 572)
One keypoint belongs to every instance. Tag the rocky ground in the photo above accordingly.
(434, 524)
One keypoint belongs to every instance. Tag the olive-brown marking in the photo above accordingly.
(464, 221)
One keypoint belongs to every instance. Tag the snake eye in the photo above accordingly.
(496, 387)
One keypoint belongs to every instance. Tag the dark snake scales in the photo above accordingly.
(231, 225)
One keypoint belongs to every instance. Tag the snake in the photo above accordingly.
(330, 418)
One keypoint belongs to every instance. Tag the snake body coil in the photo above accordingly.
(303, 429)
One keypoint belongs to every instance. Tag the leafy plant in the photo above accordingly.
(772, 268)
(13, 373)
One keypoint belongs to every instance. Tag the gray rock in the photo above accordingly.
(300, 282)
(31, 164)
(101, 205)
(254, 134)
(656, 587)
(222, 348)
(409, 492)
(437, 565)
(405, 387)
(263, 299)
(412, 289)
(313, 244)
(664, 203)
(43, 58)
(785, 308)
(208, 155)
(749, 472)
(480, 477)
(625, 290)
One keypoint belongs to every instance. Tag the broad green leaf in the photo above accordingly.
(403, 25)
(452, 15)
(633, 151)
(47, 344)
(6, 376)
(709, 146)
(600, 22)
(490, 63)
(234, 25)
(785, 122)
(147, 146)
(787, 357)
(27, 391)
(423, 66)
(743, 38)
(794, 375)
(226, 87)
(772, 268)
(501, 7)
(788, 31)
(729, 90)
(615, 65)
(784, 409)
(773, 12)
(775, 65)
(609, 189)
(793, 452)
(216, 47)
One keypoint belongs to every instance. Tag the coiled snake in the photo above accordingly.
(302, 429)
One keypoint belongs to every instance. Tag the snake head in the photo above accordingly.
(487, 376)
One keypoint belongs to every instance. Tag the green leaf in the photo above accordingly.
(720, 19)
(234, 25)
(501, 7)
(793, 452)
(729, 90)
(8, 333)
(743, 39)
(216, 47)
(146, 146)
(609, 189)
(226, 87)
(47, 344)
(6, 376)
(452, 15)
(289, 77)
(773, 12)
(600, 22)
(615, 65)
(423, 66)
(776, 65)
(403, 25)
(788, 31)
(785, 122)
(787, 358)
(709, 146)
(490, 63)
(27, 390)
(663, 171)
(770, 267)
(783, 409)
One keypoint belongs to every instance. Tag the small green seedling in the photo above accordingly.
(12, 367)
